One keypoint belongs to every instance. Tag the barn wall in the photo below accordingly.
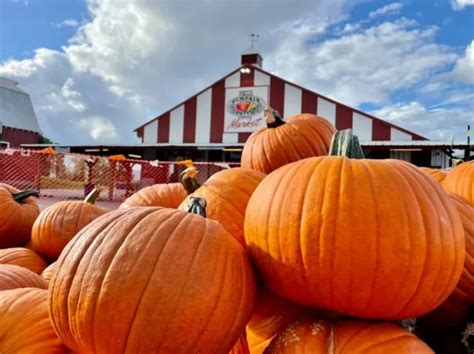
(16, 137)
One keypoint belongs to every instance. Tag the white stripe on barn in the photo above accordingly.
(327, 110)
(362, 126)
(398, 135)
(261, 78)
(150, 132)
(292, 101)
(203, 117)
(176, 125)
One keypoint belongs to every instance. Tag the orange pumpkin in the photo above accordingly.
(241, 347)
(438, 175)
(12, 277)
(152, 275)
(18, 211)
(460, 181)
(359, 237)
(227, 194)
(346, 336)
(59, 223)
(23, 257)
(48, 272)
(168, 195)
(286, 141)
(24, 323)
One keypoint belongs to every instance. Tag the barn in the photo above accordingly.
(18, 123)
(214, 124)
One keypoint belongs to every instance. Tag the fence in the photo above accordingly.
(71, 176)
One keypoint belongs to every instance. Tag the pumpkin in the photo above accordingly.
(346, 336)
(285, 141)
(460, 181)
(48, 272)
(59, 223)
(18, 211)
(12, 277)
(152, 275)
(438, 175)
(227, 194)
(24, 323)
(23, 257)
(241, 347)
(357, 236)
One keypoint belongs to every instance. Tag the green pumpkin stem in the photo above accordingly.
(21, 196)
(197, 206)
(92, 196)
(345, 143)
(189, 181)
(272, 118)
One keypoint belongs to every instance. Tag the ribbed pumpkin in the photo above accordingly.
(359, 237)
(163, 280)
(168, 195)
(24, 323)
(18, 211)
(12, 277)
(438, 175)
(346, 336)
(59, 223)
(227, 194)
(460, 181)
(48, 272)
(23, 257)
(241, 347)
(285, 141)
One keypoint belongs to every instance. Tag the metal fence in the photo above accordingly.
(71, 176)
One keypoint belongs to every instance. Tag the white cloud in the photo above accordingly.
(101, 129)
(390, 9)
(70, 22)
(461, 4)
(464, 69)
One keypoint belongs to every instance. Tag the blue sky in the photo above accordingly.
(100, 68)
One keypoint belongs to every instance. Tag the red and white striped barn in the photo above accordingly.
(202, 119)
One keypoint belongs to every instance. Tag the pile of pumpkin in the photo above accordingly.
(294, 252)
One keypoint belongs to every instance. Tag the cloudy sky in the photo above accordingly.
(97, 69)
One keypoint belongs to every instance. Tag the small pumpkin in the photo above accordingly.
(152, 275)
(460, 181)
(438, 175)
(286, 140)
(59, 223)
(356, 236)
(227, 194)
(346, 336)
(13, 276)
(24, 323)
(23, 257)
(18, 211)
(47, 274)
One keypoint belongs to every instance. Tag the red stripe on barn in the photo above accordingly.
(380, 130)
(277, 94)
(246, 80)
(243, 137)
(217, 112)
(343, 117)
(189, 128)
(164, 128)
(309, 102)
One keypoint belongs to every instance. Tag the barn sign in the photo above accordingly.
(244, 109)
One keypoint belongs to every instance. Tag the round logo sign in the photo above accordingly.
(246, 104)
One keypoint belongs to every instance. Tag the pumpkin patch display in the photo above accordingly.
(227, 194)
(13, 277)
(460, 181)
(60, 222)
(344, 337)
(286, 140)
(23, 257)
(142, 279)
(18, 211)
(357, 236)
(24, 323)
(438, 175)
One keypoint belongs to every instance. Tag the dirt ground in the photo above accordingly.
(46, 202)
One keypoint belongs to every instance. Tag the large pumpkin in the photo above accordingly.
(460, 181)
(346, 336)
(18, 211)
(360, 237)
(23, 257)
(12, 277)
(168, 195)
(285, 141)
(59, 223)
(164, 280)
(24, 323)
(227, 194)
(438, 175)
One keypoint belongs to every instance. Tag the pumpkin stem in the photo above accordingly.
(92, 196)
(21, 196)
(272, 118)
(344, 143)
(188, 180)
(197, 206)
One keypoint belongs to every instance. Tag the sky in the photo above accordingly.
(97, 69)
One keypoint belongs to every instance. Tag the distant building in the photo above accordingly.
(18, 123)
